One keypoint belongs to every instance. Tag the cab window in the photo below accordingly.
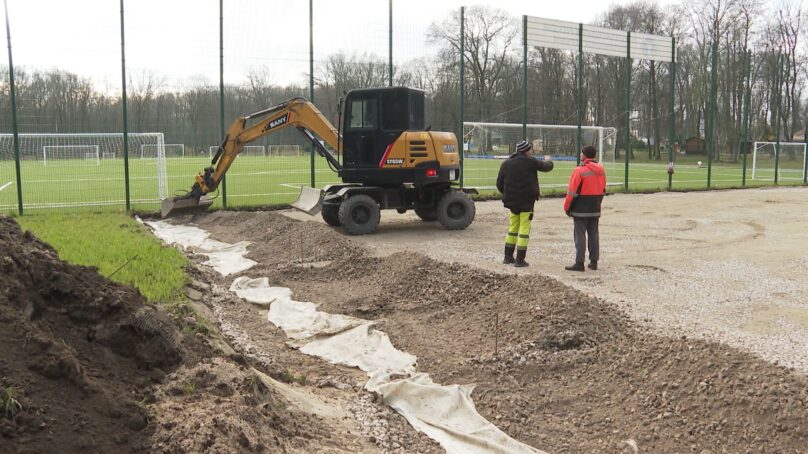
(363, 114)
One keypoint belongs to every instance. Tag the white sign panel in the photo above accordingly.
(563, 35)
(605, 41)
(651, 47)
(554, 34)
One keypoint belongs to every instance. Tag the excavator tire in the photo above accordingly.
(330, 214)
(455, 210)
(427, 214)
(359, 214)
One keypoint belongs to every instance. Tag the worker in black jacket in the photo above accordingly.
(519, 185)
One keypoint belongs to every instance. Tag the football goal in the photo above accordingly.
(497, 140)
(170, 150)
(254, 151)
(787, 159)
(284, 150)
(70, 155)
(93, 164)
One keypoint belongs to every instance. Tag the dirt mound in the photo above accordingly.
(79, 353)
(277, 238)
(246, 415)
(555, 368)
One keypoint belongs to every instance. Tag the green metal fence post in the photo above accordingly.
(14, 126)
(671, 115)
(390, 42)
(313, 179)
(125, 119)
(805, 158)
(221, 91)
(778, 100)
(711, 112)
(628, 107)
(580, 92)
(462, 90)
(748, 96)
(524, 77)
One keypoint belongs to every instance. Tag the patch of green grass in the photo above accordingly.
(189, 387)
(8, 401)
(288, 376)
(254, 181)
(118, 246)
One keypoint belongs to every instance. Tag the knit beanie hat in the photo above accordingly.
(523, 146)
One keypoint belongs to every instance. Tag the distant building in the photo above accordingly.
(695, 145)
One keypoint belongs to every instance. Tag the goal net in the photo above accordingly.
(70, 155)
(254, 151)
(284, 150)
(171, 150)
(786, 159)
(87, 169)
(498, 140)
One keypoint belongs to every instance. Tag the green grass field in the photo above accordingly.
(275, 180)
(118, 246)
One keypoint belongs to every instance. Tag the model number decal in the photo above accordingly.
(449, 148)
(394, 161)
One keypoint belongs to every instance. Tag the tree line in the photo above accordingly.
(766, 47)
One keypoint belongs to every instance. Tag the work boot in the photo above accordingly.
(593, 265)
(520, 259)
(576, 267)
(508, 255)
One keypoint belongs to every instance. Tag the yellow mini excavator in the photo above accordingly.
(389, 160)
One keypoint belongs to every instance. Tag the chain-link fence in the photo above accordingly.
(126, 105)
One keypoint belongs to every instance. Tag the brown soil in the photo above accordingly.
(80, 352)
(94, 368)
(555, 368)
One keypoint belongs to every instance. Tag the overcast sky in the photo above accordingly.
(179, 39)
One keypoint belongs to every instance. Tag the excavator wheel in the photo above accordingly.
(330, 214)
(427, 214)
(359, 214)
(455, 210)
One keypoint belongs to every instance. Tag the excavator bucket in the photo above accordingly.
(309, 201)
(174, 206)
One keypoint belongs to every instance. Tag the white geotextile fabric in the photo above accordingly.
(258, 291)
(223, 257)
(444, 413)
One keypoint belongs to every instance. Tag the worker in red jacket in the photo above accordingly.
(584, 195)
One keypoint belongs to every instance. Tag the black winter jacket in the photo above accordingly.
(519, 183)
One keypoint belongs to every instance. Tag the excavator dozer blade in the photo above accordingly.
(309, 201)
(174, 206)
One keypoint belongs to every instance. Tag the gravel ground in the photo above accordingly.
(726, 266)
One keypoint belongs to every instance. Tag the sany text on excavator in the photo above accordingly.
(389, 161)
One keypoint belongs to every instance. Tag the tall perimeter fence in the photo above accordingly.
(123, 107)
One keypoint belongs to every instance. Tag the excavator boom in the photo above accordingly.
(295, 112)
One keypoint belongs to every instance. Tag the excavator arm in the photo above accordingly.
(295, 112)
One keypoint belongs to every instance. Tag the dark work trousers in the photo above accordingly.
(586, 227)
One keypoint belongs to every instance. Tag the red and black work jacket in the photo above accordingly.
(585, 193)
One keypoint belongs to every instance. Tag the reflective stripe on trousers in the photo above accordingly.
(519, 230)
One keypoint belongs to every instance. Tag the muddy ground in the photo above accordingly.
(727, 266)
(87, 366)
(96, 369)
(554, 367)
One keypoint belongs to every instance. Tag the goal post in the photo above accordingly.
(285, 150)
(71, 155)
(789, 158)
(497, 140)
(169, 150)
(94, 165)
